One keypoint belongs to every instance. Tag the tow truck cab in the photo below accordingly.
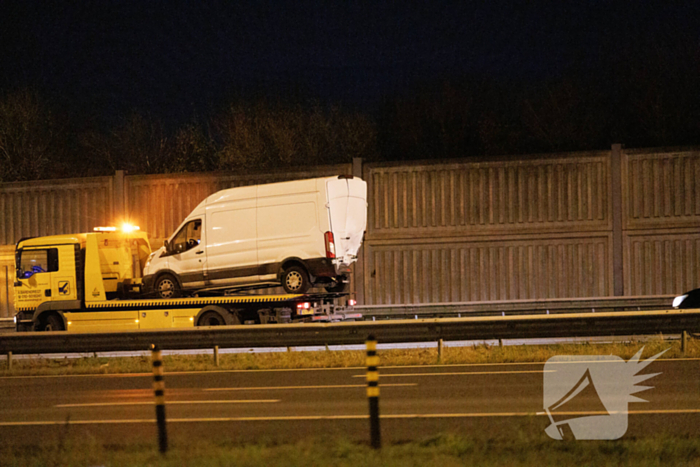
(50, 273)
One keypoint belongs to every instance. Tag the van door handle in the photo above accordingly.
(199, 252)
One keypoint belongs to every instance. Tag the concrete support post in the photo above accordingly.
(357, 167)
(440, 347)
(617, 216)
(9, 360)
(119, 199)
(357, 284)
(684, 342)
(216, 355)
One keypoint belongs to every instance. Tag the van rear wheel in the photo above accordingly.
(295, 280)
(167, 287)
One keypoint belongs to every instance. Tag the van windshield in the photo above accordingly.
(188, 237)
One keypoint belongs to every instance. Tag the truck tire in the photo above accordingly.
(52, 322)
(211, 318)
(295, 280)
(167, 287)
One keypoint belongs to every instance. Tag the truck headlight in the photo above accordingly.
(678, 300)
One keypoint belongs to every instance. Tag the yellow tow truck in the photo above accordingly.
(92, 282)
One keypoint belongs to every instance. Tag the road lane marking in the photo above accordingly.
(518, 372)
(328, 386)
(331, 417)
(109, 404)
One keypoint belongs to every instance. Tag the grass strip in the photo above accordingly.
(344, 359)
(445, 450)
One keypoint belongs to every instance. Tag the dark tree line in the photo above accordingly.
(649, 99)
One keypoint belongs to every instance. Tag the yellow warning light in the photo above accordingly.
(126, 228)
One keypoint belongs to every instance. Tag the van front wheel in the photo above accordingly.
(167, 287)
(295, 280)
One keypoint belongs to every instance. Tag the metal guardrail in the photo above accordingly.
(388, 331)
(515, 307)
(7, 324)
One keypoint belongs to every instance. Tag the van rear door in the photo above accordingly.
(347, 210)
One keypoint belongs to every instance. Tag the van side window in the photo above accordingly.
(188, 237)
(38, 261)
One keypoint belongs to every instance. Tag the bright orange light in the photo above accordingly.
(128, 228)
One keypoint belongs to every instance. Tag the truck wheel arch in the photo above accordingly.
(42, 317)
(57, 307)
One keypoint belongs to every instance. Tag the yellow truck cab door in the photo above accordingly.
(36, 268)
(46, 274)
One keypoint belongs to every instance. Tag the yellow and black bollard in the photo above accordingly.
(373, 392)
(159, 388)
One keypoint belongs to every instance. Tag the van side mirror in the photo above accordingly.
(166, 245)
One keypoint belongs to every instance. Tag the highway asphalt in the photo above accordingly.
(492, 401)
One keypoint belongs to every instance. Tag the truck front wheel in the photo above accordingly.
(167, 287)
(52, 322)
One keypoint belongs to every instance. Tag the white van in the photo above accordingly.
(296, 234)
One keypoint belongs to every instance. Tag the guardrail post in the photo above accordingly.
(684, 342)
(216, 355)
(373, 392)
(440, 349)
(159, 388)
(9, 360)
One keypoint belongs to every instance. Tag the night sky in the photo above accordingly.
(175, 59)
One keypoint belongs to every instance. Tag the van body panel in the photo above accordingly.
(289, 228)
(250, 233)
(232, 246)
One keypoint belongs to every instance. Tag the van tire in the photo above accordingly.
(295, 280)
(167, 287)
